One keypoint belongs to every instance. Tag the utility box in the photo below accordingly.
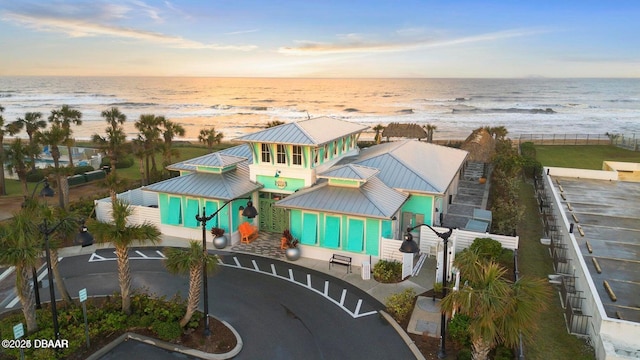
(366, 270)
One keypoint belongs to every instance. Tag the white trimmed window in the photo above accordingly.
(281, 155)
(266, 153)
(297, 155)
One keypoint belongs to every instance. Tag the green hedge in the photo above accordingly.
(124, 163)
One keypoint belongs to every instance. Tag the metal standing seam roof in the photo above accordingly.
(414, 165)
(235, 154)
(350, 172)
(314, 131)
(373, 199)
(223, 186)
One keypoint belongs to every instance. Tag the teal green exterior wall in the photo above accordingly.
(181, 211)
(336, 231)
(272, 182)
(419, 204)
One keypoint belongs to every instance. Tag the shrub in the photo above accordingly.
(487, 248)
(387, 271)
(82, 169)
(464, 354)
(124, 163)
(399, 305)
(36, 175)
(168, 330)
(503, 353)
(459, 329)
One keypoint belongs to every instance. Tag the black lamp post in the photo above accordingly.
(443, 316)
(249, 212)
(46, 191)
(83, 237)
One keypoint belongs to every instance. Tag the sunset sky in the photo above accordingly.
(326, 38)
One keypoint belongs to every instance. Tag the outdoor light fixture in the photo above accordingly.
(249, 212)
(408, 245)
(408, 238)
(84, 238)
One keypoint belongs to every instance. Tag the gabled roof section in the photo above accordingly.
(225, 186)
(373, 199)
(413, 165)
(350, 172)
(230, 156)
(314, 131)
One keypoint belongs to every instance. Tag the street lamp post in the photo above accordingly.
(46, 191)
(249, 212)
(83, 237)
(443, 316)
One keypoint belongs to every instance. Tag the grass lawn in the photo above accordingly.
(583, 156)
(552, 341)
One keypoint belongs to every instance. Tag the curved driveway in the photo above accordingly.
(280, 310)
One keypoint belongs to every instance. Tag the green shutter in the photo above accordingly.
(373, 236)
(190, 213)
(356, 235)
(174, 217)
(310, 229)
(210, 207)
(332, 232)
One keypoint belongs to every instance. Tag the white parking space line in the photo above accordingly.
(290, 278)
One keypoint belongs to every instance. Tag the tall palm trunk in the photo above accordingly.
(195, 280)
(60, 285)
(55, 154)
(124, 277)
(112, 187)
(480, 348)
(27, 297)
(3, 188)
(70, 156)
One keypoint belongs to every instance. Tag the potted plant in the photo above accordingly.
(290, 244)
(219, 241)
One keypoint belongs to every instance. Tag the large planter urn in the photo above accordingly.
(292, 254)
(220, 242)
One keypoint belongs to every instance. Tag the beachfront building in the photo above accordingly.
(310, 177)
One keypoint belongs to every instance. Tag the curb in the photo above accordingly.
(403, 334)
(171, 347)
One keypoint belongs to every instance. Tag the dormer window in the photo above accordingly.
(281, 155)
(335, 148)
(297, 155)
(266, 153)
(344, 144)
(326, 151)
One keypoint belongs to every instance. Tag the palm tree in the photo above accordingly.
(171, 130)
(210, 137)
(499, 309)
(122, 235)
(32, 123)
(15, 161)
(20, 248)
(378, 128)
(430, 128)
(150, 136)
(190, 261)
(273, 123)
(65, 232)
(65, 117)
(112, 144)
(497, 132)
(54, 137)
(3, 131)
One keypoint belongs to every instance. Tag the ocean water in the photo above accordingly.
(237, 106)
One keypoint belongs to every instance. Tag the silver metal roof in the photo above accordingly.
(414, 165)
(232, 155)
(350, 172)
(314, 131)
(224, 186)
(373, 199)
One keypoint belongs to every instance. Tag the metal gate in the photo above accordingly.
(272, 218)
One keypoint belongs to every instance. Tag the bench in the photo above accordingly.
(248, 232)
(341, 260)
